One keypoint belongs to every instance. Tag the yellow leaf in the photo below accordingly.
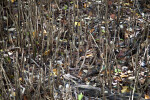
(89, 55)
(147, 96)
(85, 5)
(64, 40)
(123, 76)
(76, 6)
(46, 52)
(33, 34)
(44, 32)
(12, 1)
(125, 89)
(76, 23)
(20, 79)
(55, 71)
(126, 4)
(79, 24)
(13, 94)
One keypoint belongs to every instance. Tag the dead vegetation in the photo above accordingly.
(74, 49)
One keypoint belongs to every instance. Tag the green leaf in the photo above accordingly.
(80, 96)
(117, 70)
(65, 7)
(121, 39)
(71, 2)
(37, 42)
(28, 33)
(97, 39)
(103, 31)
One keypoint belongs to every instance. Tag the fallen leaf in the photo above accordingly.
(76, 6)
(20, 79)
(147, 96)
(65, 7)
(77, 24)
(71, 2)
(92, 30)
(44, 32)
(13, 94)
(33, 34)
(46, 52)
(125, 89)
(80, 73)
(84, 5)
(25, 97)
(117, 70)
(113, 16)
(55, 71)
(126, 4)
(123, 76)
(109, 2)
(80, 96)
(89, 55)
(117, 78)
(12, 1)
(103, 31)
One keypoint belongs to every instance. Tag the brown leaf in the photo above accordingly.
(91, 31)
(80, 73)
(25, 97)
